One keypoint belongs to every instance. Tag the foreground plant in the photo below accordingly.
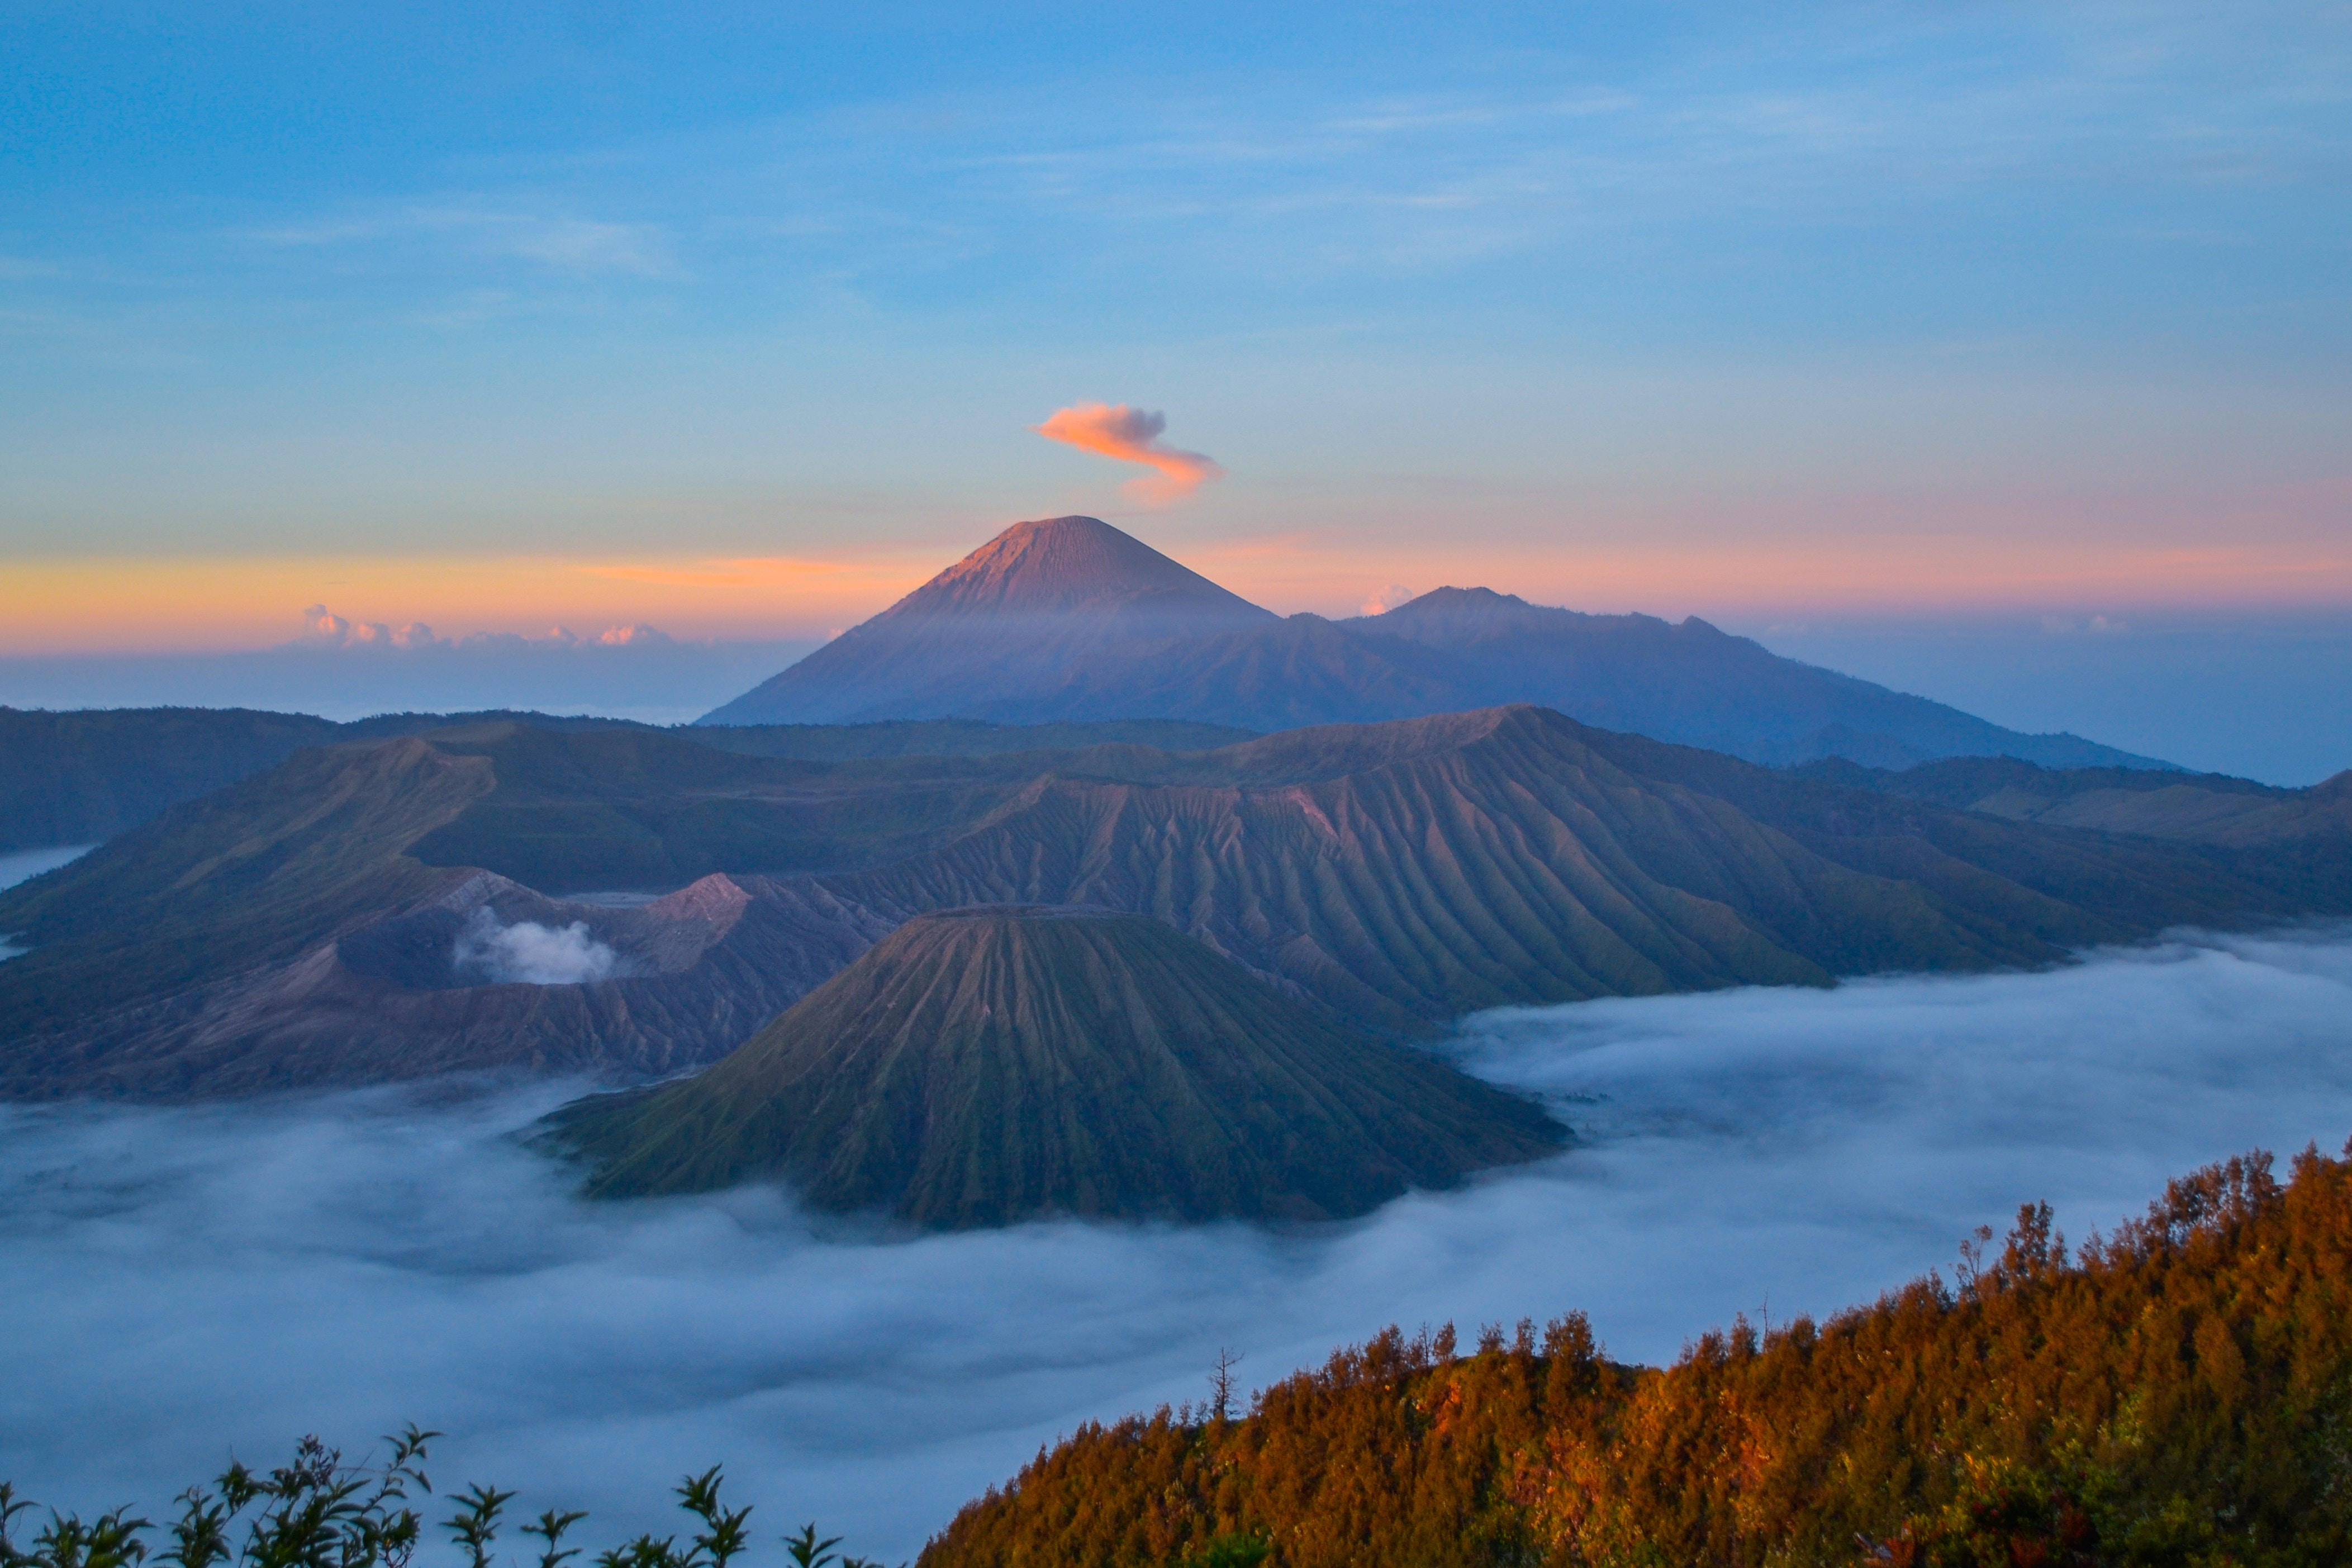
(320, 1512)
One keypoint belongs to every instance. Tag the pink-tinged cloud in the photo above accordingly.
(1132, 436)
(323, 628)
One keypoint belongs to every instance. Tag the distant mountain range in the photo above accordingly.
(1068, 620)
(84, 776)
(1067, 633)
(304, 927)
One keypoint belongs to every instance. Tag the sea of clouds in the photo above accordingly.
(186, 1283)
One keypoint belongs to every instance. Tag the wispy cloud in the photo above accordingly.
(560, 242)
(1132, 436)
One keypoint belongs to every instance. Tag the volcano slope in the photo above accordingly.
(1067, 619)
(1400, 874)
(1041, 599)
(280, 934)
(83, 777)
(1412, 871)
(980, 1067)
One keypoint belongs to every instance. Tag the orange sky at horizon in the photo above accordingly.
(94, 605)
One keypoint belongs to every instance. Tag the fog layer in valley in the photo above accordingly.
(187, 1282)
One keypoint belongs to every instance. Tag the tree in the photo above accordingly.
(1221, 1383)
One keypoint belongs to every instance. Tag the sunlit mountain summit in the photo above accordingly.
(1018, 614)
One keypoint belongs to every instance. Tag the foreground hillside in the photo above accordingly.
(2179, 1394)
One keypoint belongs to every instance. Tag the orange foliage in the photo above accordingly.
(2181, 1394)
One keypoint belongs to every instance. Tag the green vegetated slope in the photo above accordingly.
(83, 777)
(1423, 869)
(2206, 808)
(251, 874)
(980, 1067)
(1402, 873)
(2179, 1394)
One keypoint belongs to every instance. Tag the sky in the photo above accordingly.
(345, 1264)
(738, 321)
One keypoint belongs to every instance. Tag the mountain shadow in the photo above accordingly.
(1067, 619)
(984, 1065)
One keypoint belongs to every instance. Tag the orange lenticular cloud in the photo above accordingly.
(1132, 436)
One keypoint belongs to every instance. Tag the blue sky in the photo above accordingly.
(1740, 311)
(533, 266)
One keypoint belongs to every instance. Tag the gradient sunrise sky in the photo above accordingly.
(740, 320)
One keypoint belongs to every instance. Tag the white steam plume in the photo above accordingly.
(528, 954)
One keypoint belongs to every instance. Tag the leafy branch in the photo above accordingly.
(318, 1511)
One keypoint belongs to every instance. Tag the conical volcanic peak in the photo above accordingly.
(1036, 604)
(1056, 565)
(980, 1067)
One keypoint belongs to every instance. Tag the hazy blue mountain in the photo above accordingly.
(1067, 619)
(1039, 600)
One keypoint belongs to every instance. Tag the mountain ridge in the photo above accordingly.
(1073, 645)
(1397, 875)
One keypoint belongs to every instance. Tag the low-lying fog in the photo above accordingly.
(185, 1283)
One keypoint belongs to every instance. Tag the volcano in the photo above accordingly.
(1068, 620)
(1037, 601)
(984, 1066)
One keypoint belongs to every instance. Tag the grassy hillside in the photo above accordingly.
(81, 778)
(84, 777)
(980, 1067)
(2204, 808)
(2177, 1395)
(252, 874)
(1423, 869)
(1400, 874)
